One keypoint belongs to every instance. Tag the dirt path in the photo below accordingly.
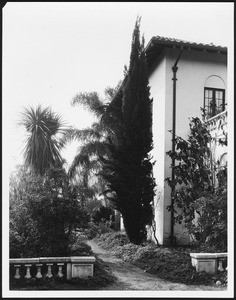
(133, 278)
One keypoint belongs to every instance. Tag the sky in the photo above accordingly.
(54, 50)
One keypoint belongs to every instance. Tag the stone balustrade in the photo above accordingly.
(217, 123)
(217, 127)
(209, 262)
(71, 267)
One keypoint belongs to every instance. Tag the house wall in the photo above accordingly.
(157, 83)
(194, 68)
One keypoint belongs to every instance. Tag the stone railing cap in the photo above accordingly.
(208, 255)
(74, 259)
(24, 260)
(82, 259)
(54, 259)
(216, 117)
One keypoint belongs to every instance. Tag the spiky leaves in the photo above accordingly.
(42, 145)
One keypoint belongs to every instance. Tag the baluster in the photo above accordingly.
(220, 268)
(49, 273)
(60, 269)
(17, 275)
(28, 276)
(39, 275)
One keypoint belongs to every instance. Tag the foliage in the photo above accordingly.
(113, 239)
(93, 138)
(128, 170)
(95, 230)
(79, 248)
(92, 205)
(42, 145)
(173, 264)
(44, 212)
(210, 228)
(193, 171)
(24, 235)
(104, 215)
(84, 171)
(203, 208)
(116, 147)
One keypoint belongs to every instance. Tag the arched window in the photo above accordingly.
(214, 96)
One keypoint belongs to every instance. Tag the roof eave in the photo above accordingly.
(184, 45)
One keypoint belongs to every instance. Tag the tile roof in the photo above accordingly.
(158, 43)
(164, 41)
(184, 43)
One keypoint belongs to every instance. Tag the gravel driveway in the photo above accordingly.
(130, 277)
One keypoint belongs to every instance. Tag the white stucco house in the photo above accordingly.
(201, 82)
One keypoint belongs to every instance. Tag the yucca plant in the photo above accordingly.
(43, 144)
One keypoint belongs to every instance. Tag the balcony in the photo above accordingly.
(217, 125)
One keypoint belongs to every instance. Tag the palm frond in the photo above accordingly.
(83, 135)
(89, 101)
(79, 161)
(94, 148)
(83, 165)
(100, 129)
(95, 166)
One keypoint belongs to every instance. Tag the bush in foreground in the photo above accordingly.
(173, 264)
(44, 213)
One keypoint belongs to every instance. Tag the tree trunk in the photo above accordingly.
(135, 230)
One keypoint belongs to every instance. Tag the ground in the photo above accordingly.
(113, 273)
(130, 277)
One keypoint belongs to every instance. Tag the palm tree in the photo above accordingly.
(43, 145)
(94, 139)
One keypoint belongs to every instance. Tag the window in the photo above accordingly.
(214, 101)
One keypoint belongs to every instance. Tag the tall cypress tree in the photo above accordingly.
(129, 172)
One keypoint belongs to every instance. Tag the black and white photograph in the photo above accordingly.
(117, 149)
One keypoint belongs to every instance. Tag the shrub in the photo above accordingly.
(210, 229)
(104, 215)
(126, 252)
(44, 212)
(80, 249)
(196, 194)
(108, 240)
(95, 230)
